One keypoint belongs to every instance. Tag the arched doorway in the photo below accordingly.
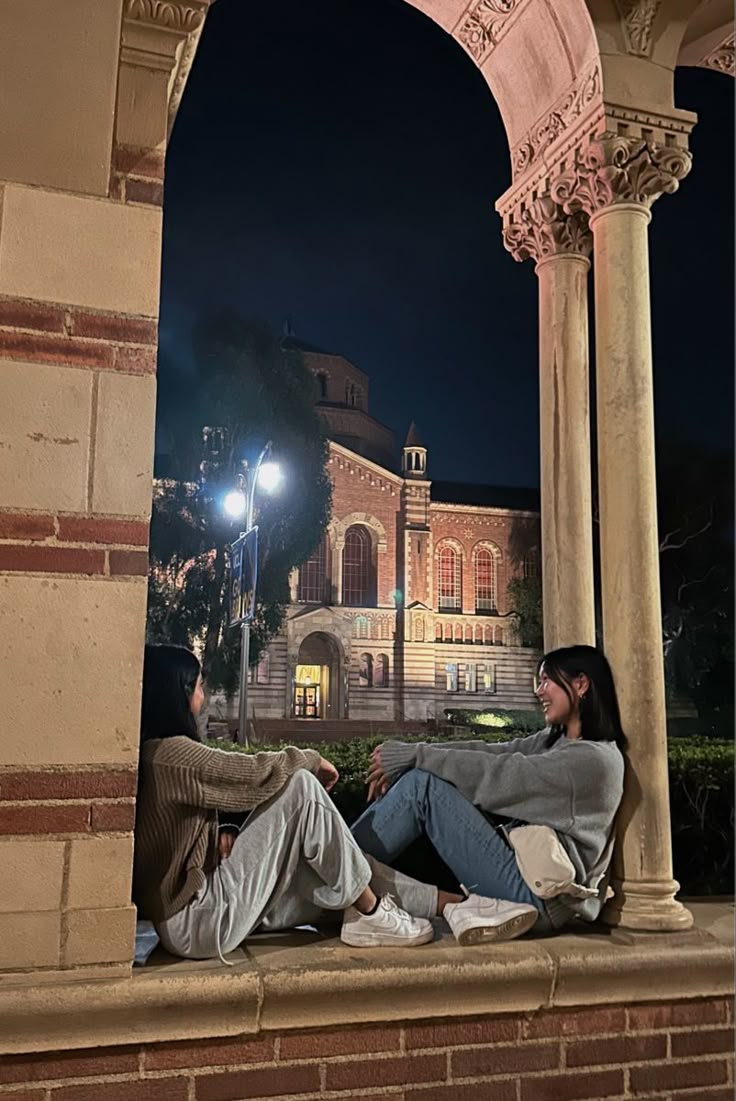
(317, 684)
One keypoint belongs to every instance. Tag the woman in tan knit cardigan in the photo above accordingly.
(293, 860)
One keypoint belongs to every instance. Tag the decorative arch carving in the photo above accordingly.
(338, 528)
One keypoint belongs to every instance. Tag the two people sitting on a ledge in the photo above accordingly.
(295, 861)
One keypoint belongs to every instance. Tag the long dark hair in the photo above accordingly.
(600, 718)
(169, 678)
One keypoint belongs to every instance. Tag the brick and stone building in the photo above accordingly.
(403, 609)
(88, 95)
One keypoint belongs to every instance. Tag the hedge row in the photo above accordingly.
(701, 773)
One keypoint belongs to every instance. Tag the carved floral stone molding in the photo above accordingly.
(618, 170)
(722, 58)
(482, 26)
(544, 230)
(638, 19)
(164, 34)
(185, 17)
(565, 113)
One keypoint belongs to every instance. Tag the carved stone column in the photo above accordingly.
(615, 183)
(561, 244)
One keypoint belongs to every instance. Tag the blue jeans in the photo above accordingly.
(419, 803)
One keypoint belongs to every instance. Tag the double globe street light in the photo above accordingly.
(239, 504)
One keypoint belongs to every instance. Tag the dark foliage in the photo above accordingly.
(257, 390)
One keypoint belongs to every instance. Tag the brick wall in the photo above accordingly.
(669, 1051)
(468, 527)
(80, 240)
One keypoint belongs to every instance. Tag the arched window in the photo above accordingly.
(478, 634)
(385, 627)
(365, 671)
(321, 378)
(358, 587)
(486, 581)
(530, 563)
(380, 672)
(449, 574)
(458, 632)
(468, 633)
(488, 636)
(438, 632)
(375, 629)
(499, 636)
(448, 632)
(313, 576)
(419, 629)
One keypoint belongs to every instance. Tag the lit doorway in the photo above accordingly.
(316, 683)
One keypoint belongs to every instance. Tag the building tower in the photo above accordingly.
(414, 456)
(415, 500)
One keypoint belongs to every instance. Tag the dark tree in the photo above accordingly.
(695, 504)
(255, 390)
(525, 590)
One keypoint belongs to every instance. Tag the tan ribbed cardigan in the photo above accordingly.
(182, 786)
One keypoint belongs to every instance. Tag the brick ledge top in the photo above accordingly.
(302, 981)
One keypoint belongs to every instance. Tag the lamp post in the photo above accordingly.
(241, 502)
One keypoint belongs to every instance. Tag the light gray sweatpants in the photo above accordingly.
(294, 860)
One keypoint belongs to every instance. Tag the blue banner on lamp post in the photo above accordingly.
(243, 577)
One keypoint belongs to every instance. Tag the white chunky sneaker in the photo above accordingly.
(387, 925)
(479, 920)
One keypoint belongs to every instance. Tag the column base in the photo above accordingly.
(647, 905)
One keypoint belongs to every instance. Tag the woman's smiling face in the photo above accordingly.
(556, 704)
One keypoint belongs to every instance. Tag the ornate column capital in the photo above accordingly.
(544, 229)
(616, 169)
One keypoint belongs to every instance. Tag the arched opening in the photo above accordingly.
(317, 684)
(365, 671)
(313, 576)
(321, 380)
(486, 580)
(449, 579)
(358, 570)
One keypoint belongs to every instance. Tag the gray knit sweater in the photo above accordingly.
(574, 786)
(183, 785)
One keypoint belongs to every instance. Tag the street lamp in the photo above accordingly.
(241, 503)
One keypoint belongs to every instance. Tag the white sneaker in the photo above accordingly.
(479, 920)
(387, 925)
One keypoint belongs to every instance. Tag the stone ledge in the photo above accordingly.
(306, 980)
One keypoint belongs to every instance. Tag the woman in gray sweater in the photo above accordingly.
(467, 797)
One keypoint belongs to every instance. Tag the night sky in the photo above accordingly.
(340, 168)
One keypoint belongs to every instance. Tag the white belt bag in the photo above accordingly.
(545, 866)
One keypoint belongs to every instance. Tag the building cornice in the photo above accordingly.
(447, 506)
(360, 460)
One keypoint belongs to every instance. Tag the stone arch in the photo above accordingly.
(459, 580)
(338, 529)
(327, 651)
(533, 99)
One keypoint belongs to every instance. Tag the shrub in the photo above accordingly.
(701, 773)
(702, 811)
(481, 719)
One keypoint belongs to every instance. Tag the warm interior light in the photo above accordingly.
(234, 504)
(269, 476)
